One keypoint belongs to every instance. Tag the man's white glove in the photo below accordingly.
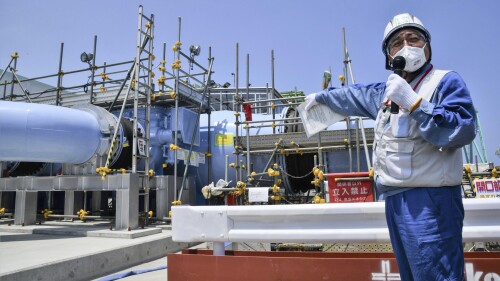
(310, 101)
(400, 92)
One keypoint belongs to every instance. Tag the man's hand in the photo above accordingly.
(400, 92)
(310, 101)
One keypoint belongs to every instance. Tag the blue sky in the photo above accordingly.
(306, 37)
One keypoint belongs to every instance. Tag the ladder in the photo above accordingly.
(143, 87)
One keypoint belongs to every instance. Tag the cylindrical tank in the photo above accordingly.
(45, 133)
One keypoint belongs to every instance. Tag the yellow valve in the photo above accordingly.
(341, 78)
(174, 147)
(82, 213)
(2, 211)
(148, 25)
(316, 171)
(173, 94)
(123, 171)
(46, 213)
(321, 175)
(236, 114)
(232, 165)
(243, 167)
(102, 89)
(322, 200)
(273, 173)
(317, 199)
(371, 173)
(178, 43)
(273, 105)
(276, 189)
(14, 55)
(151, 172)
(176, 203)
(276, 197)
(150, 214)
(162, 68)
(164, 165)
(494, 173)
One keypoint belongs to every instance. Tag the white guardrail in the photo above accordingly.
(312, 223)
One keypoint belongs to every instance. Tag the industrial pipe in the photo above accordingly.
(45, 133)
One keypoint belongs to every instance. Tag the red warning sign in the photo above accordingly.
(350, 187)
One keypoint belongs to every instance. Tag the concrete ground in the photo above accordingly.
(26, 255)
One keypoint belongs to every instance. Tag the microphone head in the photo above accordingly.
(398, 63)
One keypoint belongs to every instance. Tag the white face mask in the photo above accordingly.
(414, 56)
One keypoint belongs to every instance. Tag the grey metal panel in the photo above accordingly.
(66, 183)
(328, 138)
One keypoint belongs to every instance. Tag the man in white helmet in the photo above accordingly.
(416, 152)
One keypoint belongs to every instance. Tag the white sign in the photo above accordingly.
(258, 194)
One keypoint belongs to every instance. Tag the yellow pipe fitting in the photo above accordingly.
(245, 127)
(282, 150)
(273, 105)
(61, 73)
(173, 94)
(148, 25)
(322, 200)
(178, 43)
(341, 78)
(162, 68)
(317, 199)
(236, 114)
(276, 197)
(102, 89)
(174, 147)
(292, 143)
(232, 165)
(174, 48)
(243, 167)
(14, 55)
(494, 173)
(276, 189)
(2, 211)
(273, 173)
(253, 173)
(46, 213)
(164, 165)
(176, 203)
(316, 171)
(208, 154)
(151, 172)
(279, 182)
(287, 153)
(150, 214)
(163, 62)
(273, 125)
(153, 75)
(124, 171)
(371, 173)
(153, 57)
(82, 213)
(321, 175)
(153, 97)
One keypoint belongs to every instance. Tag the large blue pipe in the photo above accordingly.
(44, 133)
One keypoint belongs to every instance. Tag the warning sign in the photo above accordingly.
(487, 188)
(350, 187)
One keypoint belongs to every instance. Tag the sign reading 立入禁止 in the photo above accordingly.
(487, 188)
(350, 187)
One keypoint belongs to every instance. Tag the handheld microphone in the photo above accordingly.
(398, 64)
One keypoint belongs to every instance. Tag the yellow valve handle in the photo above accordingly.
(150, 214)
(176, 203)
(2, 211)
(151, 172)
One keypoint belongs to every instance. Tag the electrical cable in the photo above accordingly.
(130, 273)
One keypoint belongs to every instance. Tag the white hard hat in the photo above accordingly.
(399, 22)
(403, 21)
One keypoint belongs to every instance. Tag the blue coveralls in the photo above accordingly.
(425, 223)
